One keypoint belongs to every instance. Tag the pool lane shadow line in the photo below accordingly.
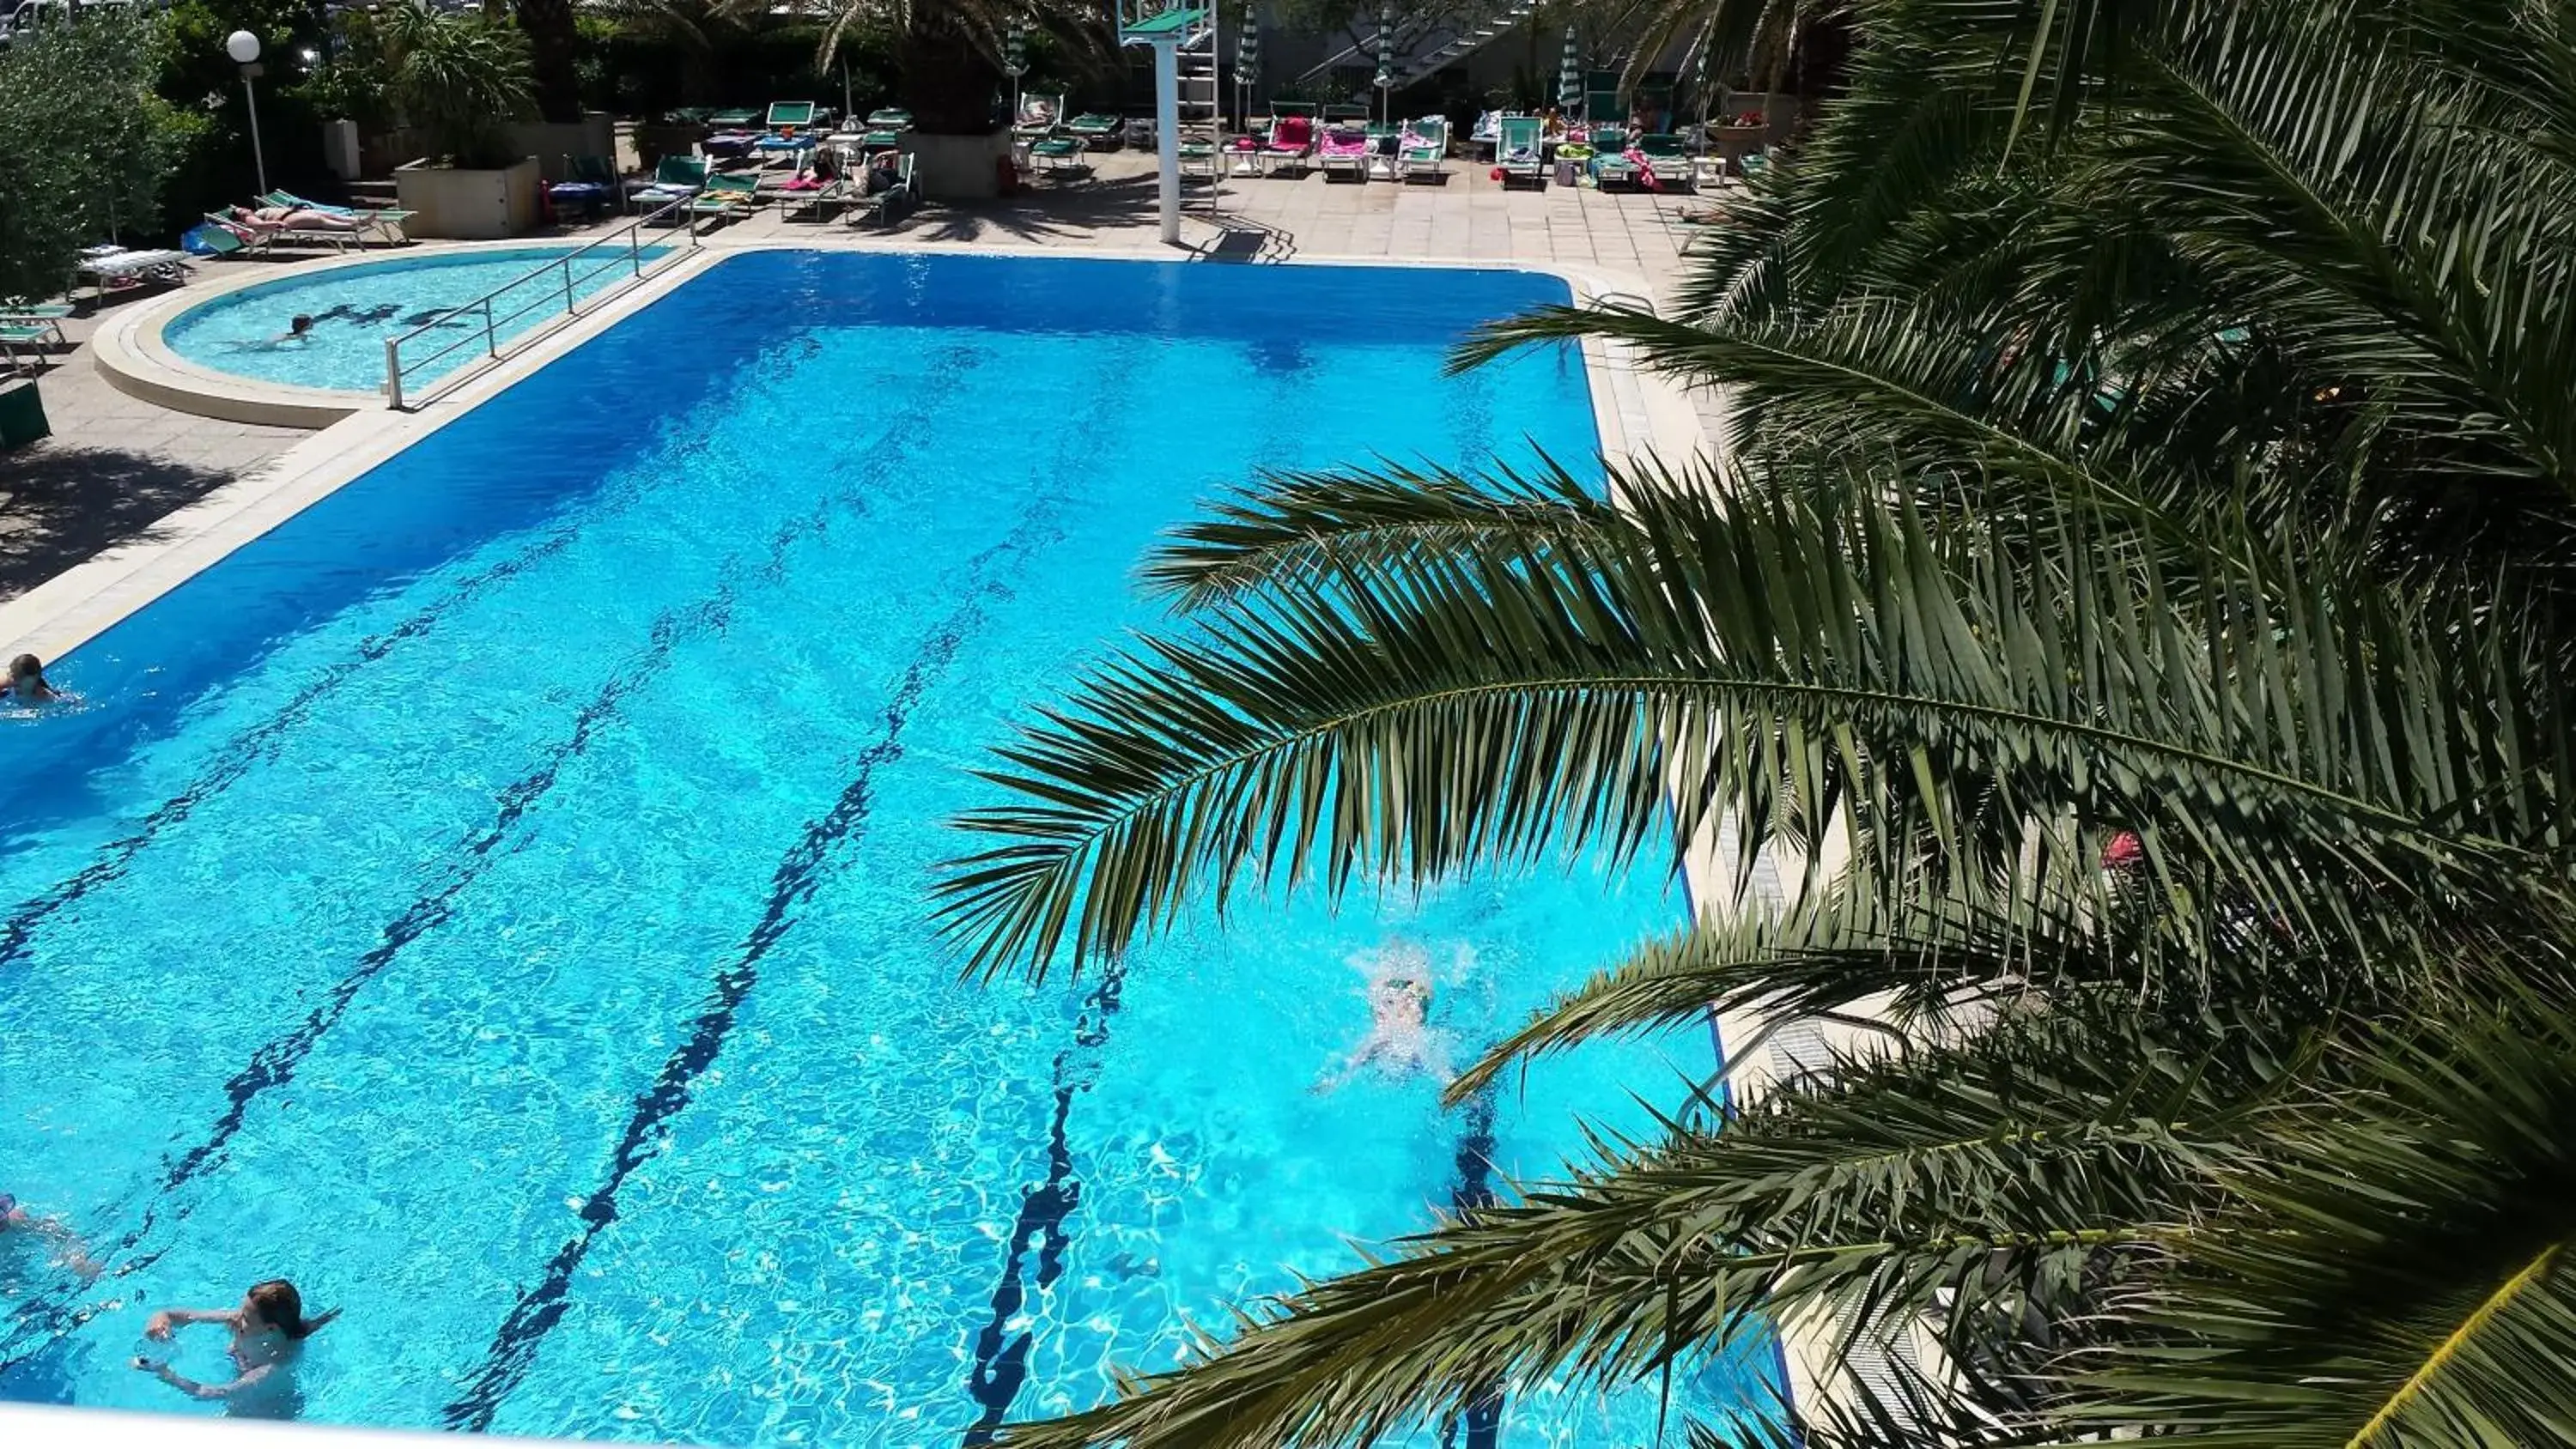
(275, 1062)
(251, 747)
(1001, 1363)
(798, 875)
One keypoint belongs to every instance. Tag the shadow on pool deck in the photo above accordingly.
(59, 506)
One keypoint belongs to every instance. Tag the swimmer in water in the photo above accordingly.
(269, 1329)
(16, 1221)
(299, 329)
(27, 682)
(1401, 1040)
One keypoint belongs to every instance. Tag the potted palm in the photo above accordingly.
(461, 79)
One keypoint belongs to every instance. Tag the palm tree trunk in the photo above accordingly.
(948, 81)
(552, 42)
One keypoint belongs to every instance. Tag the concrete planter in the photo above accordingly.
(960, 167)
(468, 205)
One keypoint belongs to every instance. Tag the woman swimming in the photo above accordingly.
(269, 1329)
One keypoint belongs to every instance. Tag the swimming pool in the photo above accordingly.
(495, 899)
(355, 307)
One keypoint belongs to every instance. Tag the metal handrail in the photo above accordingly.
(632, 234)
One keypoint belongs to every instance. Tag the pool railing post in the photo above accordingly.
(635, 247)
(491, 343)
(569, 309)
(393, 371)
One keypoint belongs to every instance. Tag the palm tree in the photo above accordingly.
(948, 52)
(2148, 426)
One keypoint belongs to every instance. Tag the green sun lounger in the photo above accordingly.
(890, 118)
(791, 115)
(22, 342)
(47, 315)
(1663, 151)
(1517, 150)
(732, 120)
(1095, 128)
(1059, 154)
(726, 198)
(1423, 149)
(1610, 163)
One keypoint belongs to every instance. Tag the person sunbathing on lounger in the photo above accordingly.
(289, 218)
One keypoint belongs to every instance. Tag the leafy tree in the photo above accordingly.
(2132, 601)
(459, 77)
(88, 144)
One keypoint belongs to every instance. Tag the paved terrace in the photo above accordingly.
(115, 465)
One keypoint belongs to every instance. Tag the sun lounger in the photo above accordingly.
(1058, 154)
(790, 115)
(677, 178)
(897, 191)
(24, 345)
(1344, 151)
(890, 118)
(385, 221)
(590, 187)
(732, 120)
(50, 315)
(1095, 129)
(1671, 165)
(726, 198)
(1610, 163)
(813, 200)
(1423, 149)
(1292, 140)
(1038, 117)
(1516, 151)
(113, 266)
(1199, 159)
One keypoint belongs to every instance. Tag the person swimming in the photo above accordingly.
(298, 329)
(1401, 1040)
(68, 1250)
(269, 1329)
(27, 682)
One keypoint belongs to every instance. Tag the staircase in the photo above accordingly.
(1448, 47)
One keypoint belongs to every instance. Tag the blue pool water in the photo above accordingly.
(495, 899)
(354, 308)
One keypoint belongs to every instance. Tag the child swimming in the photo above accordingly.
(1401, 1040)
(269, 1329)
(27, 682)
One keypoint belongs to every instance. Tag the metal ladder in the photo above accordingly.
(1202, 108)
(1452, 45)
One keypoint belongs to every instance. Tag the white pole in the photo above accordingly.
(1167, 133)
(259, 158)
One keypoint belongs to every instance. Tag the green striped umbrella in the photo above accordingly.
(1015, 51)
(1569, 76)
(1247, 64)
(1385, 47)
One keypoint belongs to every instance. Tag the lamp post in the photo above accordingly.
(243, 47)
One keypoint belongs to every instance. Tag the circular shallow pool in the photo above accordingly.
(354, 308)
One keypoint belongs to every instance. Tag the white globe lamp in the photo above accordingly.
(243, 47)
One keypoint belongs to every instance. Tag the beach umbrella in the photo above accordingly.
(1569, 77)
(1247, 63)
(1015, 50)
(1385, 60)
